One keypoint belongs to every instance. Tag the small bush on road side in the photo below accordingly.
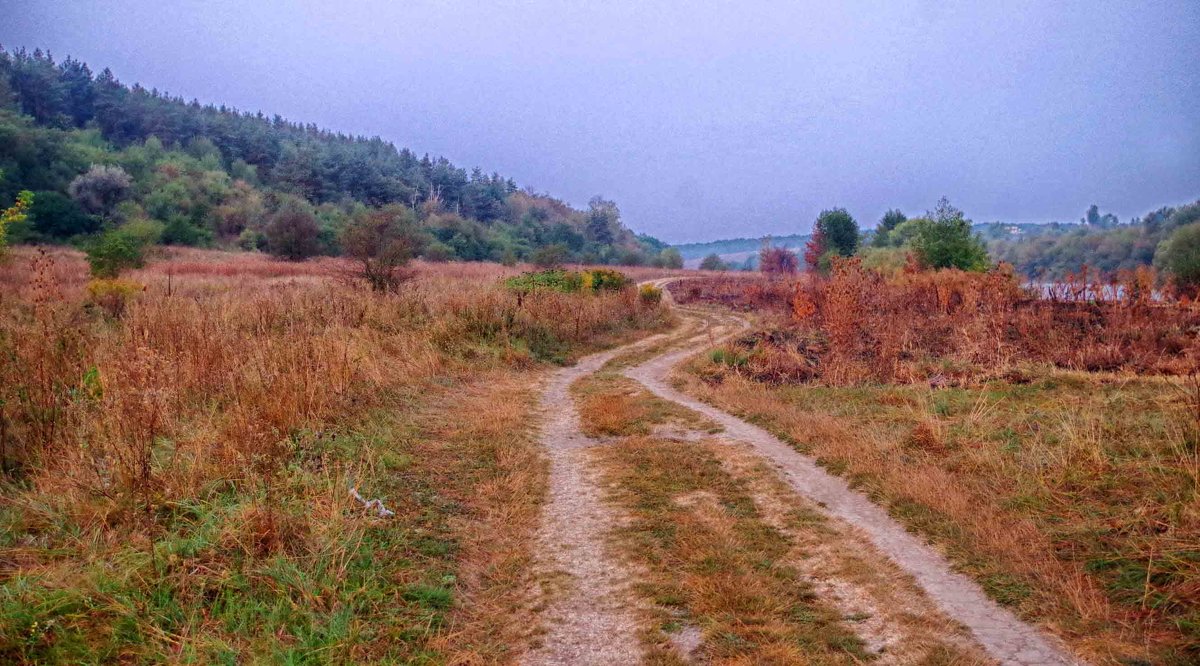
(114, 252)
(650, 294)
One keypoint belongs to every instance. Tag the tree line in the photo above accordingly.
(102, 157)
(1168, 238)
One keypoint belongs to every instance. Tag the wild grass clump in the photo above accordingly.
(650, 294)
(113, 295)
(740, 292)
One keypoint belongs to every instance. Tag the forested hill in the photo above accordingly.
(197, 174)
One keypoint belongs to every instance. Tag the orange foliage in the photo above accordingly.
(952, 326)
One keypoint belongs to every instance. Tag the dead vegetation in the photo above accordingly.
(613, 406)
(177, 469)
(951, 327)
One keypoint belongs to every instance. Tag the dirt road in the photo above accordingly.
(591, 615)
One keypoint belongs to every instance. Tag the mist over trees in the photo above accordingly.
(212, 175)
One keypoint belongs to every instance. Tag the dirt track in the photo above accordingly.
(591, 617)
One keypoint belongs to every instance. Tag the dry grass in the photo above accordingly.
(1074, 498)
(951, 327)
(613, 406)
(740, 291)
(1050, 444)
(177, 468)
(730, 566)
(711, 563)
(884, 606)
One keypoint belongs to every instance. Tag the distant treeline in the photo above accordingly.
(1050, 251)
(99, 155)
(1099, 242)
(738, 245)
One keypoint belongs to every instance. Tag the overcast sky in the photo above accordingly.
(705, 120)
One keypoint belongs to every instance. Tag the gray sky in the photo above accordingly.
(705, 120)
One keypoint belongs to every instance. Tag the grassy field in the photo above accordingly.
(179, 449)
(1072, 496)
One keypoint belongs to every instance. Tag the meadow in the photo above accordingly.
(1048, 445)
(224, 457)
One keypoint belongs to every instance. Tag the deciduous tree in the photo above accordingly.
(670, 258)
(293, 233)
(712, 262)
(1179, 255)
(777, 261)
(100, 189)
(890, 220)
(12, 215)
(382, 242)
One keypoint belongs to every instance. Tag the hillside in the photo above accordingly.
(1052, 250)
(191, 174)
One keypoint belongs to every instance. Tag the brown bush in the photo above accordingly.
(778, 261)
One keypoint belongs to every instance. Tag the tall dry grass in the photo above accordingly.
(228, 381)
(951, 327)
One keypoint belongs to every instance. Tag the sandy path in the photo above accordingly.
(1004, 637)
(589, 617)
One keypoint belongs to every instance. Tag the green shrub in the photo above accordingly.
(729, 357)
(180, 231)
(567, 282)
(146, 231)
(605, 279)
(115, 251)
(650, 294)
(251, 239)
(14, 215)
(1180, 256)
(570, 282)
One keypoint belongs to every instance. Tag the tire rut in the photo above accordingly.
(589, 612)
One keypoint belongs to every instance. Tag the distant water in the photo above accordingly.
(1063, 291)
